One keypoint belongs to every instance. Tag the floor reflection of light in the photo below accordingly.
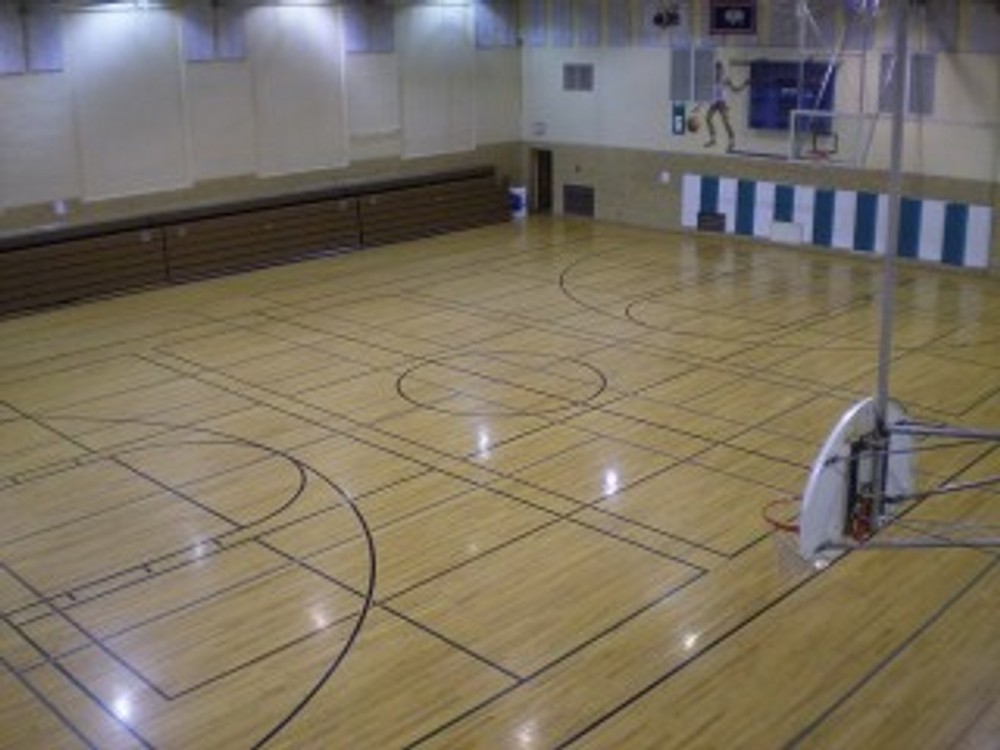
(320, 618)
(610, 482)
(527, 734)
(122, 707)
(690, 641)
(483, 442)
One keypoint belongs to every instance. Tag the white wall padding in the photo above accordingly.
(438, 74)
(126, 75)
(297, 59)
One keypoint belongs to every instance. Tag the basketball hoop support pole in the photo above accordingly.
(900, 25)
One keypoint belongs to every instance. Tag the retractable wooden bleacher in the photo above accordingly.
(49, 265)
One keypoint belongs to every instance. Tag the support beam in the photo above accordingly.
(888, 297)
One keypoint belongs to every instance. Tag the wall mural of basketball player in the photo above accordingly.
(718, 107)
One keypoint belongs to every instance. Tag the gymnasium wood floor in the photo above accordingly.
(498, 489)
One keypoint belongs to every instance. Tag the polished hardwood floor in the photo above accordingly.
(496, 489)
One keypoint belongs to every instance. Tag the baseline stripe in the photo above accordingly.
(709, 195)
(930, 230)
(956, 223)
(784, 203)
(910, 212)
(865, 222)
(746, 198)
(823, 218)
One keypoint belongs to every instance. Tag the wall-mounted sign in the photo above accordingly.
(733, 17)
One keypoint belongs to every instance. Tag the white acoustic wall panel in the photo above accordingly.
(38, 161)
(498, 98)
(126, 73)
(438, 76)
(297, 59)
(634, 115)
(221, 120)
(373, 94)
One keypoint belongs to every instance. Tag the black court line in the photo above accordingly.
(571, 518)
(423, 446)
(151, 569)
(679, 668)
(152, 574)
(80, 352)
(982, 400)
(155, 618)
(596, 390)
(356, 630)
(901, 351)
(158, 414)
(440, 573)
(375, 527)
(751, 542)
(198, 601)
(114, 457)
(262, 657)
(352, 637)
(169, 376)
(50, 706)
(762, 373)
(94, 640)
(74, 592)
(68, 674)
(893, 655)
(410, 459)
(694, 656)
(450, 642)
(175, 492)
(780, 331)
(702, 547)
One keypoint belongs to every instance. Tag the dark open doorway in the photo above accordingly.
(541, 181)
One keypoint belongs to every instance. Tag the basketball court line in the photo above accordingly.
(766, 610)
(721, 638)
(40, 696)
(631, 542)
(898, 651)
(54, 660)
(422, 446)
(505, 476)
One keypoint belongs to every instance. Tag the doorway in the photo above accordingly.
(541, 181)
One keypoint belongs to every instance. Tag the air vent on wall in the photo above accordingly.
(578, 77)
(578, 200)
